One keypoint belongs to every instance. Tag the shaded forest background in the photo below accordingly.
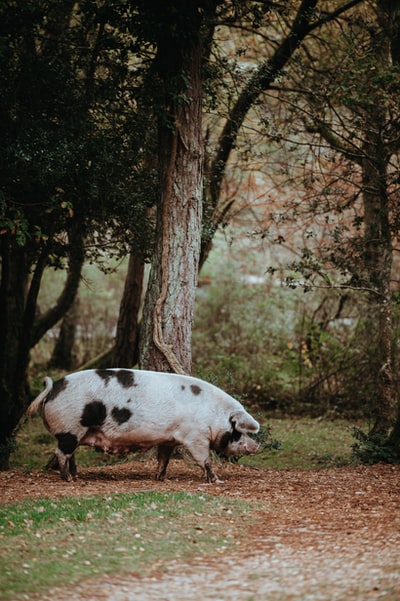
(248, 150)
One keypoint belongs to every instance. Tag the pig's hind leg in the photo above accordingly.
(164, 453)
(67, 444)
(54, 464)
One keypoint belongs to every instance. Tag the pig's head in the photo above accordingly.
(235, 442)
(239, 445)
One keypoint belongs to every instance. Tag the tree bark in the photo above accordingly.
(168, 311)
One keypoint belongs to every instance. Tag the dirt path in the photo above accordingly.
(323, 535)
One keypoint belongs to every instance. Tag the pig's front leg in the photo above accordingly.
(201, 454)
(211, 476)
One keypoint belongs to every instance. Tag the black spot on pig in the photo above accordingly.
(94, 414)
(223, 442)
(126, 378)
(195, 389)
(58, 387)
(67, 442)
(183, 387)
(225, 439)
(121, 415)
(105, 374)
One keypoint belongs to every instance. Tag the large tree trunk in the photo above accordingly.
(17, 309)
(19, 330)
(168, 312)
(12, 301)
(378, 253)
(391, 16)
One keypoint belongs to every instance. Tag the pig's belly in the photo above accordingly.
(123, 443)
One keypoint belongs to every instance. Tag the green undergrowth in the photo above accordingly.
(55, 543)
(302, 443)
(306, 443)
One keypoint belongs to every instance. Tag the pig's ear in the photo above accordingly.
(243, 422)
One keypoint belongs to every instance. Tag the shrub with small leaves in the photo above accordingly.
(373, 448)
(265, 440)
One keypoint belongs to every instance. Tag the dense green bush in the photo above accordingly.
(241, 342)
(279, 349)
(373, 448)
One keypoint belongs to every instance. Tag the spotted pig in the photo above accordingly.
(123, 410)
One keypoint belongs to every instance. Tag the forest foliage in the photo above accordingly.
(101, 156)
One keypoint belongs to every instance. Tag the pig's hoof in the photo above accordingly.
(68, 477)
(214, 480)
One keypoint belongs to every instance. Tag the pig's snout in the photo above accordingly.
(243, 446)
(247, 445)
(252, 447)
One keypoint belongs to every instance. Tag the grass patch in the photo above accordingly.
(50, 543)
(306, 444)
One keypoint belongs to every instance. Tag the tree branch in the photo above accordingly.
(335, 141)
(261, 81)
(336, 13)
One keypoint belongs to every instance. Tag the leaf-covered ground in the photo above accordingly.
(316, 535)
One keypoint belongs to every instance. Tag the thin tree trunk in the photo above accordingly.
(125, 352)
(18, 329)
(389, 13)
(373, 159)
(63, 355)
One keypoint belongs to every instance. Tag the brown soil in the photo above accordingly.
(323, 535)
